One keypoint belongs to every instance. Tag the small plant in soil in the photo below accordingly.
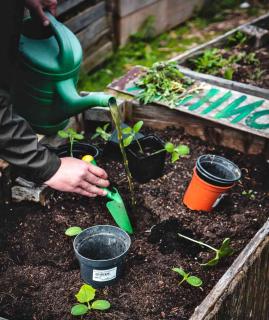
(102, 132)
(72, 136)
(238, 38)
(224, 251)
(164, 82)
(73, 231)
(249, 194)
(85, 297)
(132, 132)
(176, 151)
(186, 277)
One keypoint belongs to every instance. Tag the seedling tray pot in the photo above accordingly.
(79, 150)
(145, 167)
(101, 252)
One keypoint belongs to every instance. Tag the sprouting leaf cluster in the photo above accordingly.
(237, 38)
(72, 136)
(131, 133)
(176, 151)
(102, 132)
(249, 194)
(163, 82)
(191, 280)
(85, 297)
(224, 250)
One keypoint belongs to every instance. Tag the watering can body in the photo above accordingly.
(44, 90)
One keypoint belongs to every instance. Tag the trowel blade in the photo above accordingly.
(120, 215)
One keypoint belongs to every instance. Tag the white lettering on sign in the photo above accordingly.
(104, 275)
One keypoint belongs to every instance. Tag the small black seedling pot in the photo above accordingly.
(217, 170)
(79, 150)
(101, 251)
(147, 166)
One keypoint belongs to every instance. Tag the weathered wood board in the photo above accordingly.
(225, 117)
(125, 7)
(167, 13)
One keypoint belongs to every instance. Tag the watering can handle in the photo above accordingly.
(66, 56)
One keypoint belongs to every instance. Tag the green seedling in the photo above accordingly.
(73, 231)
(85, 297)
(102, 132)
(176, 151)
(249, 194)
(164, 82)
(238, 38)
(72, 136)
(131, 133)
(224, 251)
(191, 280)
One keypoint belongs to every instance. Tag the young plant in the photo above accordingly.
(73, 231)
(176, 151)
(85, 297)
(72, 135)
(102, 132)
(131, 133)
(191, 280)
(224, 250)
(249, 194)
(238, 38)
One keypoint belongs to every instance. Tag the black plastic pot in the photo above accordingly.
(217, 170)
(79, 150)
(147, 166)
(101, 251)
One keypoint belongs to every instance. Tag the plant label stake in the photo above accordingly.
(116, 205)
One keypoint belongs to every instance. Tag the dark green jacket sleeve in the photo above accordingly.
(19, 145)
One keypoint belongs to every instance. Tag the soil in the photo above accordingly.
(256, 74)
(39, 274)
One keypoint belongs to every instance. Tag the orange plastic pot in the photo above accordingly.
(201, 195)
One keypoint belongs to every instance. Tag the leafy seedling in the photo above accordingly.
(73, 231)
(238, 38)
(72, 135)
(224, 251)
(191, 280)
(131, 133)
(102, 132)
(176, 151)
(85, 297)
(249, 194)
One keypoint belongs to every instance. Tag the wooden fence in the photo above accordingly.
(92, 23)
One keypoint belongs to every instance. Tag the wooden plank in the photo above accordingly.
(167, 13)
(243, 291)
(125, 7)
(98, 57)
(86, 17)
(67, 5)
(93, 32)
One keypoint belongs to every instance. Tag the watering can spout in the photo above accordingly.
(72, 103)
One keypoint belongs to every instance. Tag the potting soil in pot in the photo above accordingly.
(39, 274)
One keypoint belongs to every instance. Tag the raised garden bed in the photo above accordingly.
(39, 273)
(236, 60)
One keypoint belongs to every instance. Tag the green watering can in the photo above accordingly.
(44, 92)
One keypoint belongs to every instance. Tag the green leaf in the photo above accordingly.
(86, 293)
(127, 141)
(79, 310)
(100, 305)
(169, 147)
(73, 231)
(138, 126)
(182, 150)
(228, 74)
(225, 249)
(194, 281)
(212, 262)
(106, 126)
(79, 136)
(127, 130)
(63, 134)
(175, 157)
(180, 271)
(95, 136)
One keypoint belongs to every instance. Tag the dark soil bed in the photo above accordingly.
(39, 274)
(253, 72)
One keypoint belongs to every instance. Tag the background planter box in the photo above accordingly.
(92, 23)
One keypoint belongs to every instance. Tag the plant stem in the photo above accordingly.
(139, 145)
(115, 113)
(198, 242)
(158, 151)
(71, 146)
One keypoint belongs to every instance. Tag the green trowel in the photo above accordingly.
(115, 206)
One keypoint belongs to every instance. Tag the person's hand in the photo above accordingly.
(37, 7)
(77, 176)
